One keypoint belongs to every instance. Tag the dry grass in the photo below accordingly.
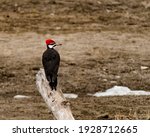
(131, 116)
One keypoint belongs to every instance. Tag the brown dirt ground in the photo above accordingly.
(101, 41)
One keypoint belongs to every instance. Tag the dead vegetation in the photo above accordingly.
(64, 16)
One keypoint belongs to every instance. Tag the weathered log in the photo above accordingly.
(55, 100)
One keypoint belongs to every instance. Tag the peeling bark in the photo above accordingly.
(55, 100)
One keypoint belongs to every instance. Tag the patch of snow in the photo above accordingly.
(120, 91)
(70, 95)
(144, 67)
(21, 97)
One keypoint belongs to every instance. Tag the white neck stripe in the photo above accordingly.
(50, 46)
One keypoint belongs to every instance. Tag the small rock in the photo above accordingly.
(16, 4)
(117, 77)
(105, 80)
(52, 14)
(113, 82)
(135, 72)
(103, 117)
(58, 28)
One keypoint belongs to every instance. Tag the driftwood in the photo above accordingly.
(55, 100)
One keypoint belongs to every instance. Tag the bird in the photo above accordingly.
(51, 62)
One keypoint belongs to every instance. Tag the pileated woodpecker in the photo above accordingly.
(51, 61)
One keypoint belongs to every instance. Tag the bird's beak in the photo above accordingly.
(59, 44)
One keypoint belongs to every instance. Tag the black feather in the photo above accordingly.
(51, 61)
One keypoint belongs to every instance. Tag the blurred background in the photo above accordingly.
(105, 43)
